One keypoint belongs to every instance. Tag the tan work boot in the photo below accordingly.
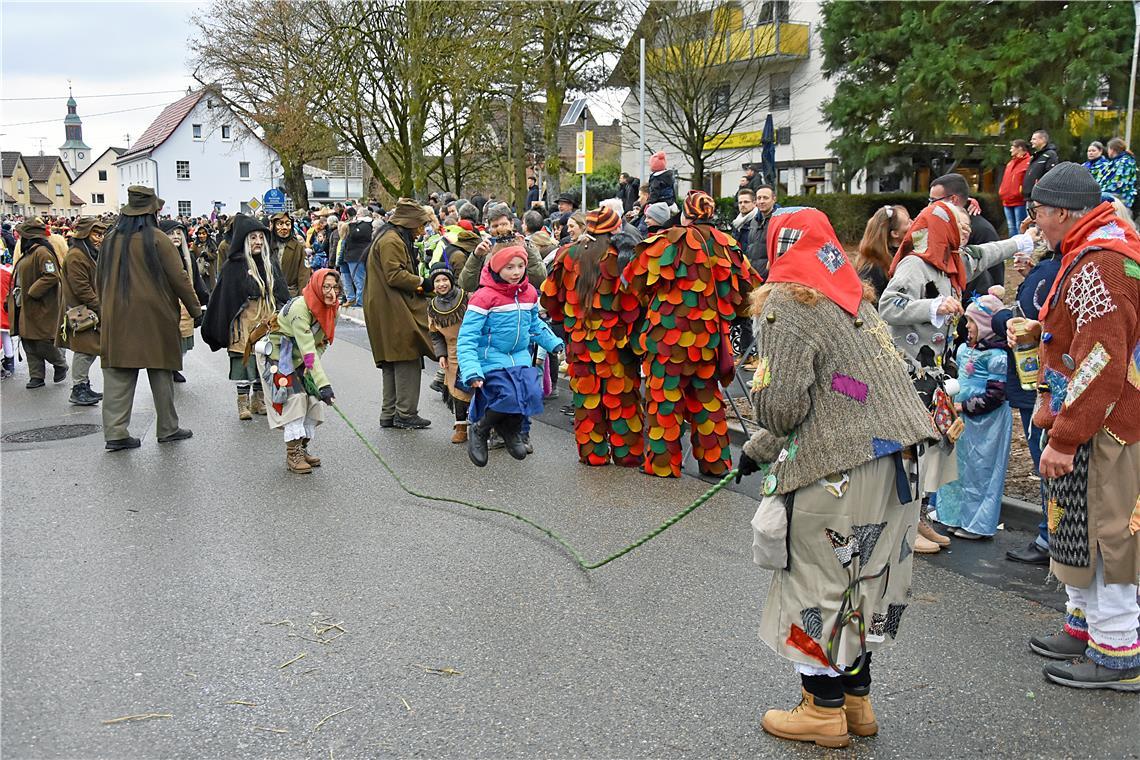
(295, 458)
(930, 534)
(460, 434)
(923, 546)
(257, 403)
(312, 460)
(243, 407)
(860, 717)
(809, 722)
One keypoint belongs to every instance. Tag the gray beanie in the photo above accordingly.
(658, 212)
(1067, 185)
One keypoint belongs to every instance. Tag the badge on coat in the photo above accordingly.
(49, 267)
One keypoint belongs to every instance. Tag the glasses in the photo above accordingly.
(330, 288)
(1033, 209)
(932, 199)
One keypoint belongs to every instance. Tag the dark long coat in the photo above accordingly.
(37, 273)
(77, 286)
(293, 266)
(395, 309)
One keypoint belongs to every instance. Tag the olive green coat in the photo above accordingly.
(395, 309)
(140, 327)
(293, 266)
(37, 273)
(78, 288)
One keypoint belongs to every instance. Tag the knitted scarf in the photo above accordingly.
(935, 238)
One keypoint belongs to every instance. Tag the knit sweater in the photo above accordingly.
(1090, 353)
(835, 385)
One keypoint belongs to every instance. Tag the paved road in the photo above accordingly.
(177, 579)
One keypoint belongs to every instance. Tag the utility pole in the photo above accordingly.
(641, 117)
(1132, 81)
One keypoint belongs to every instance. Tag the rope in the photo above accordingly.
(573, 552)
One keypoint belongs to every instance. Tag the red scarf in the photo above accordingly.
(1100, 228)
(314, 299)
(935, 238)
(814, 258)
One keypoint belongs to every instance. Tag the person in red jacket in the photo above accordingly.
(1010, 190)
(1089, 405)
(8, 363)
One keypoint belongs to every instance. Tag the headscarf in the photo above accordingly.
(602, 220)
(314, 299)
(699, 206)
(805, 250)
(935, 237)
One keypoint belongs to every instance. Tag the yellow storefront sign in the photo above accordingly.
(735, 141)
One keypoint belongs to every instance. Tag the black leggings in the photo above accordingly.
(830, 687)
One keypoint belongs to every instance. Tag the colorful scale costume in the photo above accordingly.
(692, 281)
(603, 370)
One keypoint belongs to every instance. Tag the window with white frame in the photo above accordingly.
(58, 190)
(243, 169)
(226, 134)
(720, 101)
(182, 170)
(196, 130)
(97, 198)
(184, 208)
(102, 175)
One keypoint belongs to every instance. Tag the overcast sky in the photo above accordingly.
(104, 49)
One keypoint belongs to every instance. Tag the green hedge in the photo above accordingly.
(849, 213)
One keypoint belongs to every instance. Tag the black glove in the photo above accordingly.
(326, 394)
(426, 286)
(200, 318)
(746, 466)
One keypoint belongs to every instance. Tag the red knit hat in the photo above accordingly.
(467, 225)
(503, 256)
(602, 220)
(657, 161)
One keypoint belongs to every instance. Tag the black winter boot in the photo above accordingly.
(81, 395)
(511, 430)
(477, 441)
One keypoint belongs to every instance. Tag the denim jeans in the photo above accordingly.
(1014, 216)
(356, 272)
(1033, 438)
(346, 279)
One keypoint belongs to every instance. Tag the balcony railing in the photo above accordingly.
(785, 39)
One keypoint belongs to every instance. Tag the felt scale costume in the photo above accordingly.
(603, 371)
(693, 282)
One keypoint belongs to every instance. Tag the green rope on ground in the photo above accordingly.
(578, 558)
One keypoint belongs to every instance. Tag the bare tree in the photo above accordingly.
(255, 55)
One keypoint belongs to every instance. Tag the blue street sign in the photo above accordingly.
(274, 201)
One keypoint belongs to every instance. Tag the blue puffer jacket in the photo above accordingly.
(499, 327)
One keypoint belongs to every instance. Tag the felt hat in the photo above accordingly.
(409, 214)
(503, 256)
(1067, 185)
(170, 225)
(32, 227)
(280, 215)
(569, 198)
(602, 220)
(141, 201)
(699, 206)
(88, 224)
(657, 161)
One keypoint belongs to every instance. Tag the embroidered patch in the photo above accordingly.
(831, 257)
(1110, 230)
(1132, 269)
(845, 547)
(49, 267)
(849, 387)
(905, 549)
(878, 620)
(1134, 367)
(786, 239)
(884, 446)
(868, 536)
(1088, 297)
(1091, 366)
(1058, 388)
(763, 376)
(919, 240)
(940, 212)
(813, 622)
(894, 617)
(1056, 512)
(836, 485)
(798, 639)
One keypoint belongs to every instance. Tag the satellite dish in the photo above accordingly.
(576, 112)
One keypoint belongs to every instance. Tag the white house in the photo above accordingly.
(198, 156)
(783, 48)
(98, 184)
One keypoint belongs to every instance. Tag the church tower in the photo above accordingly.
(75, 153)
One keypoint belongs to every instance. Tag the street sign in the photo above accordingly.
(254, 204)
(584, 159)
(274, 201)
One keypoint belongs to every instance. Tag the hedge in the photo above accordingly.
(849, 213)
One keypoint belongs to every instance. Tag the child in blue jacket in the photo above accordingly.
(494, 354)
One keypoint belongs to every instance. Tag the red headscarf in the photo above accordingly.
(804, 249)
(314, 299)
(935, 238)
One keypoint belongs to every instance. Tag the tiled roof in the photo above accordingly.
(8, 198)
(163, 127)
(9, 160)
(36, 198)
(40, 167)
(76, 200)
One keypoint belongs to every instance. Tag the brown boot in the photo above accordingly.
(930, 534)
(923, 546)
(860, 717)
(312, 460)
(295, 458)
(809, 722)
(460, 434)
(243, 407)
(257, 402)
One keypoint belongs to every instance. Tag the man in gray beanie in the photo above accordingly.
(1089, 405)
